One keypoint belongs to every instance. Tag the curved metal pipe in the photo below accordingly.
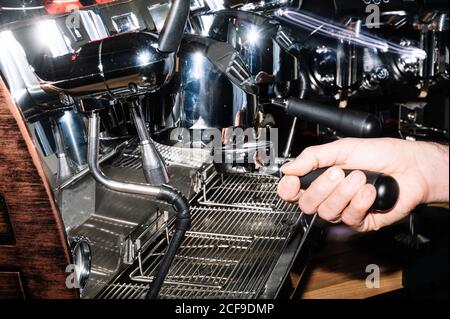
(99, 176)
(164, 193)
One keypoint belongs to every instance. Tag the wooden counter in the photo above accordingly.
(338, 269)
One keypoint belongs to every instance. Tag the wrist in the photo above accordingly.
(435, 169)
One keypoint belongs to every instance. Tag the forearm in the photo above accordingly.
(435, 167)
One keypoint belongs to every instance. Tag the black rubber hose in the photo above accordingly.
(182, 225)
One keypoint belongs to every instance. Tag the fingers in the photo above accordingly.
(289, 189)
(317, 157)
(320, 190)
(335, 196)
(356, 214)
(332, 208)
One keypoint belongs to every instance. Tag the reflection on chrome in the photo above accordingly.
(321, 26)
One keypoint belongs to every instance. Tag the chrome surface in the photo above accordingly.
(85, 171)
(207, 98)
(74, 133)
(119, 225)
(225, 58)
(257, 192)
(231, 66)
(155, 169)
(100, 177)
(120, 66)
(114, 220)
(249, 5)
(65, 170)
(340, 59)
(195, 158)
(266, 47)
(34, 43)
(82, 258)
(128, 229)
(164, 193)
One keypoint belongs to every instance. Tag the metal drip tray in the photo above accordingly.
(202, 261)
(239, 233)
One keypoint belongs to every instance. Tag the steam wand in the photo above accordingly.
(164, 193)
(155, 169)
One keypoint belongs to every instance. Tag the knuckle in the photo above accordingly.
(326, 212)
(349, 219)
(308, 151)
(359, 205)
(309, 154)
(335, 174)
(306, 205)
(344, 191)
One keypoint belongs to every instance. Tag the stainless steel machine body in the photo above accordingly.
(105, 60)
(56, 70)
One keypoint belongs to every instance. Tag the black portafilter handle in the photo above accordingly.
(388, 190)
(349, 122)
(173, 30)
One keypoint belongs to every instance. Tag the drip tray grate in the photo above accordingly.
(231, 250)
(203, 260)
(253, 192)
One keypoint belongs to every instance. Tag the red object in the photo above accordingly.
(63, 6)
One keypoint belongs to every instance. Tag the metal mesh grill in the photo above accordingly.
(269, 232)
(202, 261)
(191, 157)
(239, 231)
(253, 192)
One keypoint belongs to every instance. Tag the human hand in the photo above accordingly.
(420, 168)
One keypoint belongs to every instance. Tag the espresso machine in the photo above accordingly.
(156, 123)
(143, 217)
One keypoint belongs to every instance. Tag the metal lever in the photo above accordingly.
(172, 33)
(350, 122)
